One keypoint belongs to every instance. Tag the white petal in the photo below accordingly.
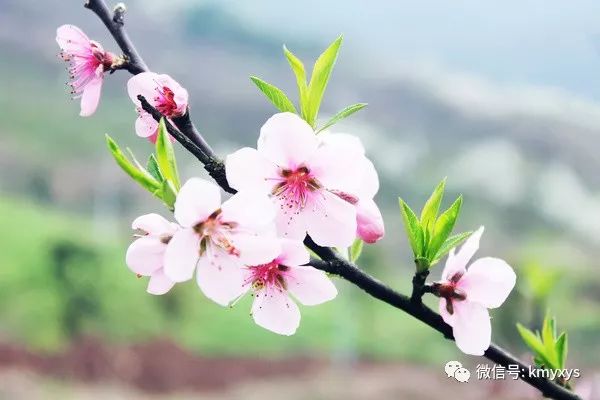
(336, 169)
(287, 140)
(274, 310)
(471, 327)
(488, 281)
(252, 210)
(153, 224)
(331, 222)
(196, 200)
(309, 285)
(290, 223)
(159, 283)
(145, 255)
(247, 169)
(182, 255)
(457, 261)
(293, 253)
(220, 276)
(255, 249)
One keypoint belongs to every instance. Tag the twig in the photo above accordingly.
(330, 261)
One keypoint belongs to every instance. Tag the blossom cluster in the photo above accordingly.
(293, 184)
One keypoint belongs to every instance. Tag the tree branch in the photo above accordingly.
(114, 22)
(188, 135)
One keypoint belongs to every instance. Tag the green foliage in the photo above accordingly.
(346, 112)
(429, 236)
(275, 95)
(540, 280)
(160, 176)
(310, 94)
(549, 349)
(356, 250)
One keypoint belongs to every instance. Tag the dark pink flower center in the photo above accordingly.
(296, 186)
(165, 102)
(449, 291)
(215, 231)
(267, 275)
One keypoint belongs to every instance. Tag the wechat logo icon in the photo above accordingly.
(454, 369)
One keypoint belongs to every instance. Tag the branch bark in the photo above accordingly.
(330, 262)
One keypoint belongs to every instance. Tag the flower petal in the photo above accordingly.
(145, 255)
(488, 281)
(287, 140)
(72, 39)
(196, 201)
(457, 261)
(153, 224)
(182, 255)
(336, 169)
(290, 223)
(144, 83)
(331, 222)
(293, 253)
(310, 286)
(159, 283)
(369, 221)
(91, 96)
(255, 249)
(145, 125)
(471, 327)
(274, 310)
(247, 169)
(251, 210)
(221, 277)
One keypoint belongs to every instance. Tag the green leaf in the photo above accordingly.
(432, 206)
(300, 73)
(548, 334)
(275, 95)
(356, 249)
(535, 344)
(141, 176)
(168, 194)
(319, 78)
(443, 227)
(562, 349)
(449, 244)
(165, 155)
(346, 112)
(413, 228)
(152, 168)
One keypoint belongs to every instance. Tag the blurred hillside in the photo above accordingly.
(522, 150)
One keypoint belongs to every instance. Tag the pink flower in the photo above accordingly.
(164, 93)
(273, 282)
(217, 240)
(466, 295)
(88, 62)
(314, 183)
(145, 256)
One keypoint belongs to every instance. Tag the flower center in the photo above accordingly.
(296, 186)
(267, 275)
(217, 232)
(165, 101)
(449, 291)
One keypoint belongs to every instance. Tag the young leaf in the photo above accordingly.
(319, 79)
(413, 228)
(535, 345)
(432, 206)
(549, 341)
(449, 244)
(139, 175)
(152, 168)
(168, 194)
(443, 227)
(275, 95)
(356, 250)
(298, 69)
(165, 156)
(562, 349)
(346, 112)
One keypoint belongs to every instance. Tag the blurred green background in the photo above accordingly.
(501, 99)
